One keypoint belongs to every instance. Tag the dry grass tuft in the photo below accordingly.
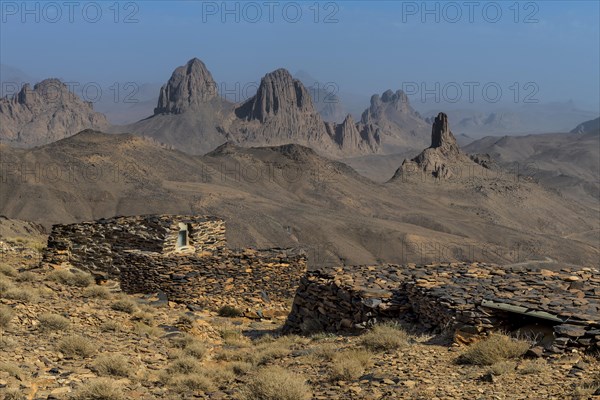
(97, 292)
(194, 383)
(12, 394)
(503, 367)
(25, 294)
(26, 276)
(110, 326)
(112, 365)
(124, 305)
(7, 270)
(275, 383)
(385, 337)
(230, 312)
(75, 278)
(350, 365)
(12, 370)
(6, 315)
(53, 322)
(76, 346)
(100, 389)
(184, 365)
(495, 348)
(533, 367)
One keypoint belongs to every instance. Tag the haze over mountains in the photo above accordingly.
(265, 164)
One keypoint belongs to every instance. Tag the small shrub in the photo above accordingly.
(76, 346)
(495, 348)
(124, 305)
(110, 326)
(12, 394)
(230, 312)
(183, 340)
(220, 375)
(77, 278)
(112, 365)
(503, 367)
(6, 315)
(24, 294)
(97, 292)
(53, 322)
(240, 367)
(196, 350)
(11, 369)
(5, 284)
(26, 276)
(186, 320)
(234, 338)
(8, 270)
(146, 330)
(275, 383)
(195, 382)
(184, 365)
(144, 317)
(99, 389)
(533, 367)
(325, 352)
(350, 365)
(268, 352)
(385, 337)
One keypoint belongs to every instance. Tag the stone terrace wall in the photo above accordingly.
(470, 298)
(259, 281)
(96, 246)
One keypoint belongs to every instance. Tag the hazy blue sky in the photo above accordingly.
(364, 47)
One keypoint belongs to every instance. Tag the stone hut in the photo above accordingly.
(182, 256)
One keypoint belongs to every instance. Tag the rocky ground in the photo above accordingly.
(64, 337)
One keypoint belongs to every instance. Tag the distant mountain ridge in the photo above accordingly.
(44, 114)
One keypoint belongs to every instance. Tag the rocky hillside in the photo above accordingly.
(64, 337)
(290, 196)
(592, 126)
(44, 114)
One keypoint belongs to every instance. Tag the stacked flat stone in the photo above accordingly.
(141, 251)
(96, 246)
(475, 297)
(259, 282)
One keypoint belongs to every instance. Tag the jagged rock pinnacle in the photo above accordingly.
(189, 87)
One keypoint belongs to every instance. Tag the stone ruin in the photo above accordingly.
(185, 258)
(561, 308)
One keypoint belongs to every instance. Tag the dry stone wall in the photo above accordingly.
(470, 299)
(259, 282)
(141, 251)
(97, 246)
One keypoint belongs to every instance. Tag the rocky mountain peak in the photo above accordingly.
(46, 113)
(189, 87)
(278, 93)
(439, 158)
(442, 137)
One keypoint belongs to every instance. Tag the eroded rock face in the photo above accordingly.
(440, 158)
(361, 137)
(44, 114)
(279, 94)
(399, 124)
(189, 87)
(282, 111)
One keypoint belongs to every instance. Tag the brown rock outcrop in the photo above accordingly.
(189, 87)
(45, 114)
